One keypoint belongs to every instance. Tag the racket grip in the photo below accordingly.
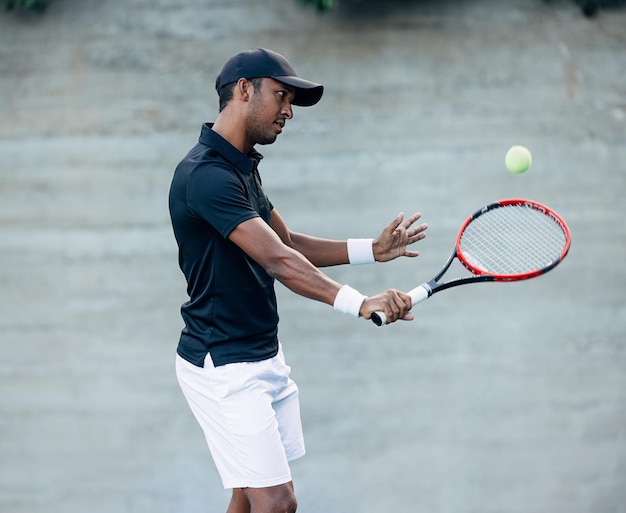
(418, 294)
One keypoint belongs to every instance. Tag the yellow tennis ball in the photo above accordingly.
(518, 159)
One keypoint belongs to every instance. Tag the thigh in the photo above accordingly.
(286, 405)
(234, 405)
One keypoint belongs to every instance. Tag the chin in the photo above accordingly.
(268, 140)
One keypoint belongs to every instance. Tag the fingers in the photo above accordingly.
(416, 230)
(399, 306)
(417, 233)
(395, 223)
(412, 236)
(397, 235)
(413, 233)
(412, 219)
(393, 303)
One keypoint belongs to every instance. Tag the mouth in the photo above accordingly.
(280, 125)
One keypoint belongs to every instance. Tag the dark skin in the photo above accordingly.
(258, 117)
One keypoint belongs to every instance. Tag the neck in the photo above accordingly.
(232, 130)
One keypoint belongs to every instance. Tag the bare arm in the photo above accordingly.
(284, 263)
(392, 242)
(320, 252)
(292, 269)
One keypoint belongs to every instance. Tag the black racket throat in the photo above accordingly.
(433, 285)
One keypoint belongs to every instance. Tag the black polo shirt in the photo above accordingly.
(231, 312)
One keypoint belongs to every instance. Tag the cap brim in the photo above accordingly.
(307, 93)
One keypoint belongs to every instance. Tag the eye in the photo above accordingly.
(284, 94)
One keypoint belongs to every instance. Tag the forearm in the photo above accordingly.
(301, 276)
(289, 266)
(274, 250)
(320, 252)
(323, 252)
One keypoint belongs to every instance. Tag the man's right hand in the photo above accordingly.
(394, 304)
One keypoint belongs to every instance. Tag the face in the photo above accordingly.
(268, 111)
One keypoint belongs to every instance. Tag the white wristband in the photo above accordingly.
(349, 301)
(361, 251)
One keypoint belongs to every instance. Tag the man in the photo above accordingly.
(233, 244)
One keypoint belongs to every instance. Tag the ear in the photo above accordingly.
(244, 88)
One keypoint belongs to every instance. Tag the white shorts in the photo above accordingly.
(250, 415)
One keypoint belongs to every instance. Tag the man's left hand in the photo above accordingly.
(400, 233)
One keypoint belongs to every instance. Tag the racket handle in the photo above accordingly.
(418, 294)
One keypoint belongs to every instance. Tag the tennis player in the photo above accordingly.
(233, 244)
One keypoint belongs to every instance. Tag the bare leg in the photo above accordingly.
(239, 503)
(274, 499)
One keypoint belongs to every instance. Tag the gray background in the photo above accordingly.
(498, 398)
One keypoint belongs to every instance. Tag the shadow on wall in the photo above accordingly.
(589, 7)
(362, 7)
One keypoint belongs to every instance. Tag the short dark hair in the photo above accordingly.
(226, 93)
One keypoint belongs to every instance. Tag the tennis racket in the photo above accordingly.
(509, 240)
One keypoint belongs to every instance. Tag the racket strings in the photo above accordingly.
(512, 239)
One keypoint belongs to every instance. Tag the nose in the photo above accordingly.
(287, 111)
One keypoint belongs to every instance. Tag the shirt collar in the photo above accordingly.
(244, 163)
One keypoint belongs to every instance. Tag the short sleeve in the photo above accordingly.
(217, 195)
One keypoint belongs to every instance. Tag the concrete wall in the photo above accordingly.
(498, 398)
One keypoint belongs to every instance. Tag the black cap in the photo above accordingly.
(263, 63)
